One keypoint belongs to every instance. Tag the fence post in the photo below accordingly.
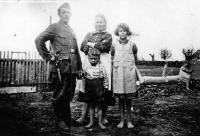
(11, 69)
(3, 67)
(0, 67)
(15, 70)
(24, 63)
(28, 67)
(44, 75)
(39, 74)
(7, 68)
(36, 74)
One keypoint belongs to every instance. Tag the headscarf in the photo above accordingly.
(104, 18)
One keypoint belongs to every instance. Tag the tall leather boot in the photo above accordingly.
(63, 126)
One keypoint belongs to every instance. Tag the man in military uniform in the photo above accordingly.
(64, 59)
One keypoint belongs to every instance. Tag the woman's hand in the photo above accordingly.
(91, 44)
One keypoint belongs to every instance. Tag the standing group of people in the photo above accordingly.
(99, 50)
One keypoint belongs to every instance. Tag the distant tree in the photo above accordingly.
(152, 56)
(165, 54)
(133, 35)
(141, 59)
(188, 53)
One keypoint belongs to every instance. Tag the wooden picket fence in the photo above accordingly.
(24, 69)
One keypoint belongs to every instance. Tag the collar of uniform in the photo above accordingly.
(62, 23)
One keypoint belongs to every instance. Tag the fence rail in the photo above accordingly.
(23, 70)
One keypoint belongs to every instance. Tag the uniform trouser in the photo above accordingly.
(62, 95)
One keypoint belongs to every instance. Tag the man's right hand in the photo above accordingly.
(52, 58)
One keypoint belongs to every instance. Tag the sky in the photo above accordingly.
(171, 24)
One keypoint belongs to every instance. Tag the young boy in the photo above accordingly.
(96, 83)
(184, 73)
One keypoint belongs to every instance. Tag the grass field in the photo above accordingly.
(170, 114)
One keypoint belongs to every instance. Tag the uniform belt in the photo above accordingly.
(65, 56)
(71, 51)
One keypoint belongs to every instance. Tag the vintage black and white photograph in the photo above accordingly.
(99, 68)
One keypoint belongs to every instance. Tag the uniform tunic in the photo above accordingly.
(63, 41)
(124, 69)
(103, 42)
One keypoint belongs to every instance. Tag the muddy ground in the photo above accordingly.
(163, 112)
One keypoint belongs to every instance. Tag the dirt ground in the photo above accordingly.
(156, 112)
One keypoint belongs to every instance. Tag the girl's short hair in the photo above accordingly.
(125, 27)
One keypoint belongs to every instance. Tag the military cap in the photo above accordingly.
(64, 5)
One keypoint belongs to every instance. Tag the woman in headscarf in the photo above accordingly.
(101, 40)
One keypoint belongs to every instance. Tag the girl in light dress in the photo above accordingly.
(125, 73)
